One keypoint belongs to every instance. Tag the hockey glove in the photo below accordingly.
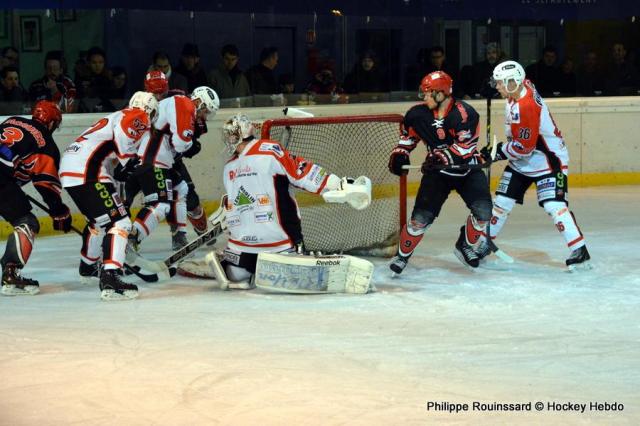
(123, 173)
(399, 157)
(485, 152)
(195, 148)
(61, 218)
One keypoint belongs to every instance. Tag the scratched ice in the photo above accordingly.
(188, 353)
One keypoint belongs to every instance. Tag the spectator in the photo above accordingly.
(544, 73)
(323, 81)
(438, 62)
(55, 85)
(97, 81)
(622, 75)
(366, 76)
(9, 57)
(118, 94)
(287, 84)
(481, 73)
(11, 90)
(261, 77)
(567, 79)
(161, 62)
(227, 80)
(589, 79)
(190, 67)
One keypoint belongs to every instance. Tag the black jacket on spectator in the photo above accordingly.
(622, 79)
(359, 80)
(589, 82)
(262, 80)
(195, 78)
(546, 78)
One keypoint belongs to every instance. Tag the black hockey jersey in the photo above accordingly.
(458, 130)
(28, 153)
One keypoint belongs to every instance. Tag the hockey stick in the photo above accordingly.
(451, 166)
(128, 267)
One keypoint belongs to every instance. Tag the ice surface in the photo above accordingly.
(188, 353)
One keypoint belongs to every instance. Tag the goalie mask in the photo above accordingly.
(510, 74)
(236, 130)
(146, 102)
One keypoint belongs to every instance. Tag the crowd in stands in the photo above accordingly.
(98, 87)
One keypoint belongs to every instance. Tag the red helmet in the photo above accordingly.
(156, 82)
(439, 81)
(47, 112)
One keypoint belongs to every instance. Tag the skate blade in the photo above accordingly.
(240, 285)
(89, 280)
(460, 257)
(12, 290)
(112, 295)
(580, 267)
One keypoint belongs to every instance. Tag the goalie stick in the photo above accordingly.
(128, 267)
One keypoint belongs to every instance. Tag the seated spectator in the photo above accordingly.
(118, 94)
(161, 62)
(544, 73)
(228, 80)
(287, 84)
(438, 62)
(589, 78)
(323, 81)
(9, 56)
(190, 67)
(366, 76)
(54, 85)
(567, 80)
(96, 83)
(622, 75)
(11, 90)
(481, 73)
(261, 77)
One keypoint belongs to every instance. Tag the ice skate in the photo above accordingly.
(113, 288)
(579, 259)
(464, 251)
(14, 284)
(398, 263)
(89, 273)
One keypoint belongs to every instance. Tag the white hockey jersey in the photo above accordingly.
(535, 146)
(262, 213)
(96, 152)
(172, 132)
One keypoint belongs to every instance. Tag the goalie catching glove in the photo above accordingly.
(357, 193)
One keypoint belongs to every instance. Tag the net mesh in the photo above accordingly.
(347, 146)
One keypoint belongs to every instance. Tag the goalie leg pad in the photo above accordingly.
(313, 275)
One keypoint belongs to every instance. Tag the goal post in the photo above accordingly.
(352, 146)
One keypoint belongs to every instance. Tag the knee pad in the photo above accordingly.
(555, 208)
(123, 224)
(29, 220)
(420, 222)
(181, 189)
(503, 205)
(481, 210)
(159, 208)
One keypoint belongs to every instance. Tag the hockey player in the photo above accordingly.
(100, 155)
(156, 83)
(173, 134)
(28, 153)
(450, 129)
(537, 155)
(261, 213)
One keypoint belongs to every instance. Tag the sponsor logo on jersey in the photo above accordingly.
(321, 173)
(249, 239)
(241, 172)
(464, 135)
(187, 134)
(504, 182)
(514, 113)
(73, 148)
(272, 147)
(243, 198)
(263, 200)
(233, 221)
(263, 217)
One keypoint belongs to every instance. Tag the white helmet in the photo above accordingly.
(146, 102)
(238, 128)
(506, 71)
(208, 97)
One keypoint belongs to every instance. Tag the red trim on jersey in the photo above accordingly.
(278, 243)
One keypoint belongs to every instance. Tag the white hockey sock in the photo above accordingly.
(566, 224)
(149, 217)
(115, 244)
(91, 245)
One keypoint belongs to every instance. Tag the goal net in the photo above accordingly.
(347, 146)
